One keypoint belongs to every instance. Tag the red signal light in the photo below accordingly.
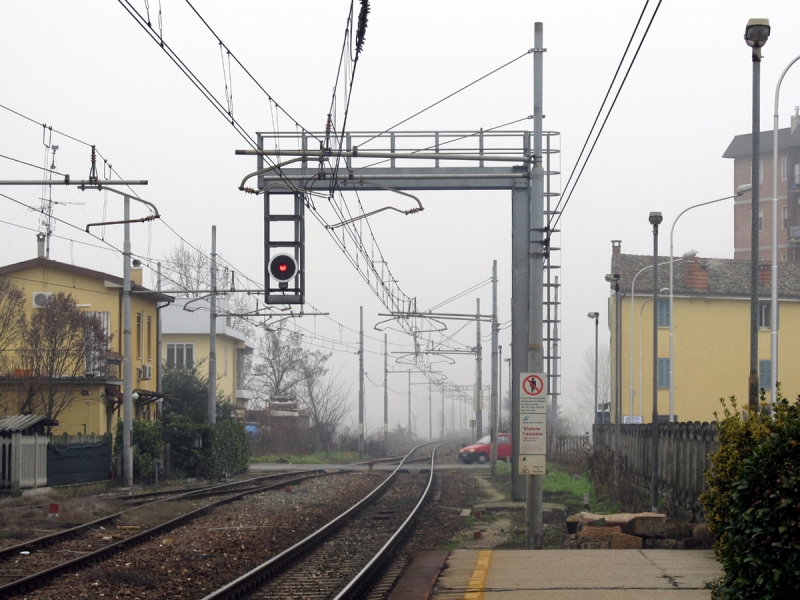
(282, 267)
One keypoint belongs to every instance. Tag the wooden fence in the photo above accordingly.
(24, 461)
(571, 448)
(683, 450)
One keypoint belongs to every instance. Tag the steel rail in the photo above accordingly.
(279, 562)
(357, 587)
(31, 581)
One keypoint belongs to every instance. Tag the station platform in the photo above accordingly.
(574, 575)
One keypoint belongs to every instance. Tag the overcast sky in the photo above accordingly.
(87, 69)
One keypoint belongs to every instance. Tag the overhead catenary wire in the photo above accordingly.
(555, 215)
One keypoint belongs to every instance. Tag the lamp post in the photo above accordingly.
(755, 34)
(774, 269)
(641, 323)
(617, 371)
(655, 220)
(739, 191)
(596, 317)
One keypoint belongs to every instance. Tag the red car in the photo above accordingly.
(481, 451)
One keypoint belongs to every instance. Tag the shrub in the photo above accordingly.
(147, 447)
(181, 433)
(228, 452)
(761, 549)
(738, 438)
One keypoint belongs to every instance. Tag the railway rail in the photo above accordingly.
(345, 557)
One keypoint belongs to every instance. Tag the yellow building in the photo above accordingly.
(98, 396)
(711, 334)
(186, 342)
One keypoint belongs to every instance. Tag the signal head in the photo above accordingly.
(282, 267)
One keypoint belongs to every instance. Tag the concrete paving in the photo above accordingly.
(577, 575)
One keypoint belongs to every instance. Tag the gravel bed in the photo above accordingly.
(198, 557)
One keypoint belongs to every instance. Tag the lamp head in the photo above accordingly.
(663, 291)
(655, 218)
(744, 188)
(593, 315)
(612, 278)
(689, 254)
(756, 33)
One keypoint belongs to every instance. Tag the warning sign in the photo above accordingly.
(533, 434)
(533, 393)
(531, 464)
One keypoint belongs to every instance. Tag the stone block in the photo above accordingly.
(591, 534)
(651, 525)
(623, 541)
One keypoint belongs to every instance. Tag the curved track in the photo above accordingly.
(346, 556)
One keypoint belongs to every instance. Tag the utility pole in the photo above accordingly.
(385, 394)
(478, 374)
(361, 383)
(533, 533)
(127, 362)
(159, 373)
(212, 353)
(430, 410)
(442, 430)
(493, 410)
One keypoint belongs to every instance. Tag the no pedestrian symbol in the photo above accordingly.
(533, 386)
(532, 393)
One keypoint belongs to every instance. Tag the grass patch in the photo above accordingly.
(337, 458)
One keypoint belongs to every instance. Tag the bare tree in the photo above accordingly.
(188, 269)
(324, 398)
(585, 396)
(58, 349)
(12, 318)
(281, 363)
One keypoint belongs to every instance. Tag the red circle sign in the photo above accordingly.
(533, 385)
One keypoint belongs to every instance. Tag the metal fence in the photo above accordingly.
(683, 450)
(24, 461)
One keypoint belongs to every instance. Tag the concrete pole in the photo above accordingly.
(409, 404)
(520, 209)
(361, 382)
(533, 534)
(212, 340)
(752, 387)
(596, 343)
(495, 335)
(442, 429)
(430, 410)
(478, 372)
(159, 374)
(386, 394)
(127, 362)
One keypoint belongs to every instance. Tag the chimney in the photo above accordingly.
(616, 246)
(40, 251)
(795, 118)
(764, 273)
(136, 272)
(695, 275)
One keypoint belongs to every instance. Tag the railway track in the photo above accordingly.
(345, 557)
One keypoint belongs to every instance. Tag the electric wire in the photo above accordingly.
(555, 216)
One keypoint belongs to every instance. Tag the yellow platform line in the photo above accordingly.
(477, 583)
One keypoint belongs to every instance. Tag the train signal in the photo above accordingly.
(282, 268)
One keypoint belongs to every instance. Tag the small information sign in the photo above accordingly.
(533, 434)
(533, 393)
(531, 464)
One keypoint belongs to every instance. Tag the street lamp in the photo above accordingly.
(755, 34)
(739, 191)
(655, 220)
(617, 371)
(774, 270)
(596, 317)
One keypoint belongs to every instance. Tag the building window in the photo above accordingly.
(760, 219)
(764, 314)
(180, 356)
(785, 216)
(783, 169)
(760, 173)
(662, 378)
(784, 258)
(765, 374)
(663, 312)
(138, 335)
(225, 372)
(149, 339)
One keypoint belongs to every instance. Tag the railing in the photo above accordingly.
(65, 439)
(683, 450)
(570, 448)
(24, 461)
